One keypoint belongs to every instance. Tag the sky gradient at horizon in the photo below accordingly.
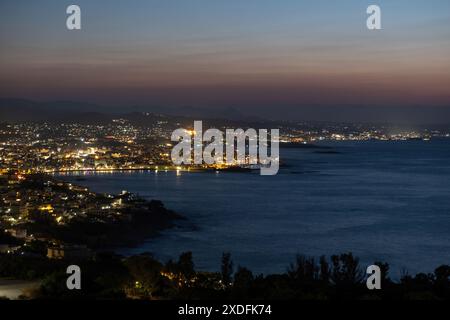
(246, 53)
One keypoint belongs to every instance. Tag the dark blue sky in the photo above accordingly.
(245, 53)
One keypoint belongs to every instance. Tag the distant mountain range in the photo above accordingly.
(17, 110)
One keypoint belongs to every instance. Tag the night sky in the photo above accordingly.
(234, 53)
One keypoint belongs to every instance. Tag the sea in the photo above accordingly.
(383, 201)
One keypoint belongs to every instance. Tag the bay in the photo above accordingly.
(383, 201)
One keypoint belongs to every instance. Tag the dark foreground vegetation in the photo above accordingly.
(109, 276)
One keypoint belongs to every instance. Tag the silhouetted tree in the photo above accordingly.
(227, 268)
(243, 278)
(304, 270)
(146, 274)
(324, 270)
(186, 265)
(442, 281)
(442, 274)
(346, 270)
(384, 269)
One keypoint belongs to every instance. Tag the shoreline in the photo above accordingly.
(151, 169)
(76, 215)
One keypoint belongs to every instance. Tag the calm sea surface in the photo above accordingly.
(386, 201)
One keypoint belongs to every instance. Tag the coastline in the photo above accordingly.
(141, 224)
(69, 214)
